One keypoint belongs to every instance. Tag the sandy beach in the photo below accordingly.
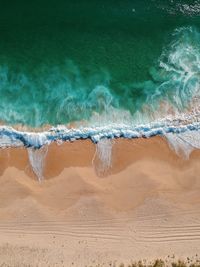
(145, 206)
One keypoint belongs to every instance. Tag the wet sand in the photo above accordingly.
(145, 206)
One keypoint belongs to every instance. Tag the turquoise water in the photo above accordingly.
(63, 61)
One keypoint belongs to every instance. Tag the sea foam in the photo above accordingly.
(37, 160)
(102, 160)
(9, 137)
(182, 138)
(184, 143)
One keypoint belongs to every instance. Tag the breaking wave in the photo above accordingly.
(168, 102)
(11, 137)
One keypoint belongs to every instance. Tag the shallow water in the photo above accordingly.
(69, 61)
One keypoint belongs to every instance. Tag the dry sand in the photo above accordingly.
(146, 206)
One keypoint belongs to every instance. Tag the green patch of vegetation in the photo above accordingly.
(161, 263)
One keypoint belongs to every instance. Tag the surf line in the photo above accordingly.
(179, 138)
(9, 137)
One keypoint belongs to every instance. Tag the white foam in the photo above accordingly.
(6, 141)
(37, 160)
(189, 9)
(103, 155)
(184, 143)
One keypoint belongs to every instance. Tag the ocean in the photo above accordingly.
(123, 68)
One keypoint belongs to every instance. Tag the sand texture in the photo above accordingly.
(146, 205)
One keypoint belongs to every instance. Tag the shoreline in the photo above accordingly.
(82, 153)
(9, 137)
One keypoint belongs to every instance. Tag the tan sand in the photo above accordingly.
(146, 206)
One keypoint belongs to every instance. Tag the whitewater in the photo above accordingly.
(171, 103)
(10, 137)
(169, 106)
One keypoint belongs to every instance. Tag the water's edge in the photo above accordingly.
(9, 137)
(183, 139)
